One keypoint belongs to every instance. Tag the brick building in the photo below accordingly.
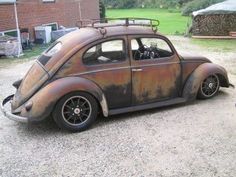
(33, 13)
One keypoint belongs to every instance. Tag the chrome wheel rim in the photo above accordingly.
(76, 110)
(210, 86)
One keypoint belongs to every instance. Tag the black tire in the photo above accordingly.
(209, 87)
(72, 111)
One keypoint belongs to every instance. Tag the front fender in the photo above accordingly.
(194, 81)
(45, 99)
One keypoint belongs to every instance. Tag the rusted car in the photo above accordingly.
(110, 68)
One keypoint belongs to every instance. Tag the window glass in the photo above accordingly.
(112, 46)
(7, 1)
(106, 52)
(134, 45)
(48, 0)
(47, 55)
(150, 48)
(11, 33)
(56, 48)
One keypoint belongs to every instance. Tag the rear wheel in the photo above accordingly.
(76, 111)
(209, 87)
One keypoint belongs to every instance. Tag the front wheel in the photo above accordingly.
(76, 111)
(209, 87)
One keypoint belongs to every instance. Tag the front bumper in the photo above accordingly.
(10, 115)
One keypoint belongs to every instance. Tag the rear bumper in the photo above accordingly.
(9, 114)
(231, 85)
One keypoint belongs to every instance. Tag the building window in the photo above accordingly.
(48, 0)
(7, 1)
(12, 33)
(54, 25)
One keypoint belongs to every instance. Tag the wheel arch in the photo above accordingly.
(223, 80)
(45, 99)
(193, 82)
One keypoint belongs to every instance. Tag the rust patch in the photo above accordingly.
(158, 80)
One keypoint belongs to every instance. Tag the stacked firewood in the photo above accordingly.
(214, 25)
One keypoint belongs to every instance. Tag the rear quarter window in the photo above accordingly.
(106, 52)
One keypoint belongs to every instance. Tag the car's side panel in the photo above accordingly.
(114, 79)
(115, 83)
(187, 69)
(155, 79)
(158, 80)
(45, 99)
(193, 82)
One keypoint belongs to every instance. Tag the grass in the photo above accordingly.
(37, 50)
(216, 44)
(171, 22)
(28, 55)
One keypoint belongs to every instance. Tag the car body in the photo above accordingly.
(112, 69)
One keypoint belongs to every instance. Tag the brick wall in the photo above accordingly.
(33, 13)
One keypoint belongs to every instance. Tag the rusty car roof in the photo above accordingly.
(78, 39)
(89, 32)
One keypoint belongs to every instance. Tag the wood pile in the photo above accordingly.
(214, 25)
(233, 34)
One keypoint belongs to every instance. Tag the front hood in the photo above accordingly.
(194, 58)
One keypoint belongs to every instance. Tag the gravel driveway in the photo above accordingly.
(197, 139)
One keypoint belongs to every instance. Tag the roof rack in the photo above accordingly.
(109, 22)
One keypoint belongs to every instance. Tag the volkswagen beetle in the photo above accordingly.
(110, 68)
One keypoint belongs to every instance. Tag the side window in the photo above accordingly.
(150, 48)
(106, 52)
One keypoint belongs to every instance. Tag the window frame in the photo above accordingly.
(48, 1)
(135, 37)
(44, 58)
(8, 2)
(50, 24)
(8, 31)
(91, 45)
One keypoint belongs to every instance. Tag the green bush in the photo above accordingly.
(102, 9)
(120, 4)
(197, 5)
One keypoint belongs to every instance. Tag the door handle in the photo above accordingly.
(137, 70)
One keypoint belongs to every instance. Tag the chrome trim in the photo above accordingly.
(125, 67)
(157, 64)
(137, 70)
(100, 70)
(43, 67)
(10, 115)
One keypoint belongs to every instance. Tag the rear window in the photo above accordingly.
(47, 55)
(54, 49)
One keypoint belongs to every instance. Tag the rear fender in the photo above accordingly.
(194, 81)
(46, 98)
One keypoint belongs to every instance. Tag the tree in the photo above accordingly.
(102, 9)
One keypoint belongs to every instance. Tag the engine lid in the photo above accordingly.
(32, 81)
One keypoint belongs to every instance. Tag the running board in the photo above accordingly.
(147, 106)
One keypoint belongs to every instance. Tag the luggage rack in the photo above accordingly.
(104, 23)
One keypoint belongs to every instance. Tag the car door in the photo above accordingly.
(156, 69)
(106, 63)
